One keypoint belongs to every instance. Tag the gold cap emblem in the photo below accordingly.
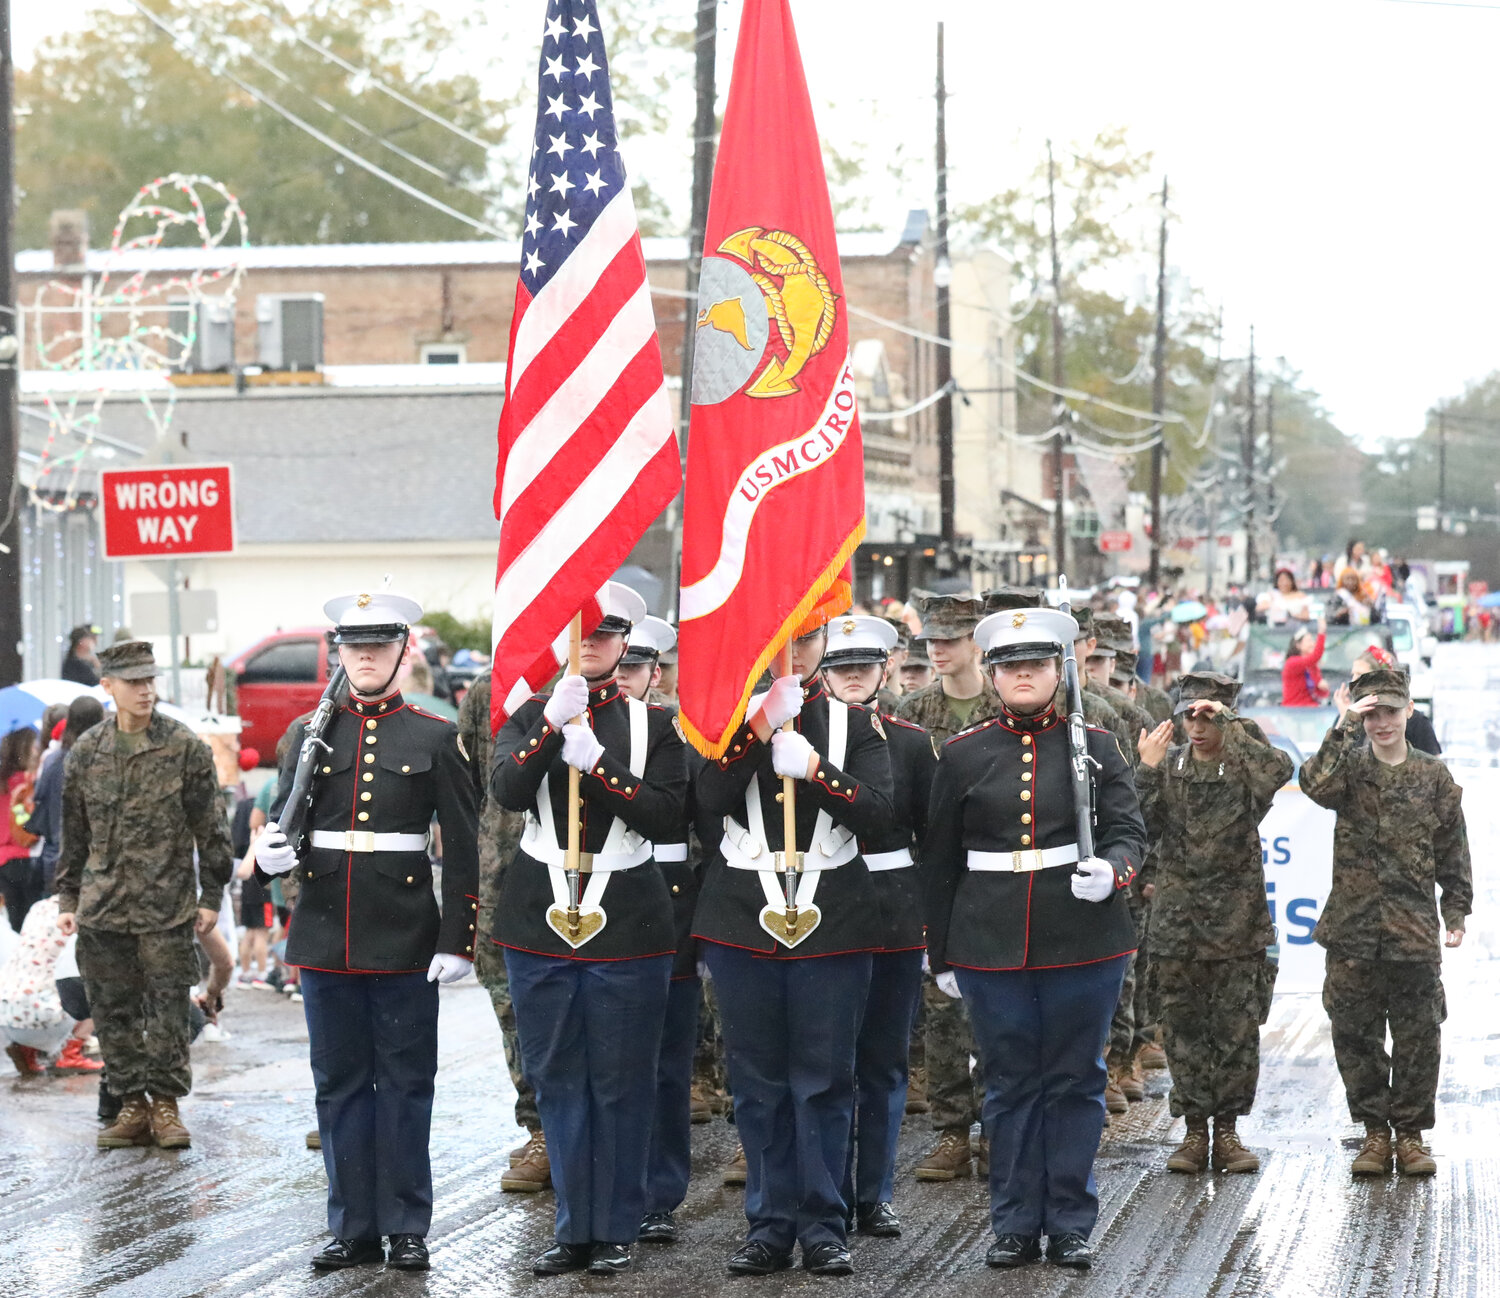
(848, 627)
(1018, 619)
(362, 602)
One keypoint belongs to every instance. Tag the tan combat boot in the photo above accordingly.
(1374, 1157)
(737, 1170)
(1229, 1155)
(1114, 1097)
(132, 1125)
(1152, 1056)
(950, 1160)
(1413, 1158)
(532, 1170)
(1192, 1154)
(700, 1104)
(916, 1092)
(166, 1124)
(1133, 1081)
(313, 1139)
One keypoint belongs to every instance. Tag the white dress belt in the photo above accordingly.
(670, 853)
(1023, 862)
(599, 862)
(743, 851)
(888, 860)
(363, 840)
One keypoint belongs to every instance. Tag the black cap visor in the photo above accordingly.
(855, 658)
(383, 634)
(1037, 651)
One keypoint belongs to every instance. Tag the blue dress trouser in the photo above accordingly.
(669, 1165)
(590, 1035)
(790, 1028)
(1041, 1035)
(373, 1043)
(880, 1074)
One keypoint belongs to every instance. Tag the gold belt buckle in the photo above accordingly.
(359, 840)
(1016, 862)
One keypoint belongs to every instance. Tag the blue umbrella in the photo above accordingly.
(1492, 600)
(23, 705)
(1189, 610)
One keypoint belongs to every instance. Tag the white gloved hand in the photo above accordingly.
(569, 699)
(448, 968)
(273, 853)
(782, 701)
(790, 754)
(703, 973)
(947, 982)
(581, 747)
(1094, 880)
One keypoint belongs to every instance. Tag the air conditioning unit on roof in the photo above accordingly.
(289, 331)
(202, 334)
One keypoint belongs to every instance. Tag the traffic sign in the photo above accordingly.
(1114, 542)
(167, 512)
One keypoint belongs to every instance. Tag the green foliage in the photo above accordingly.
(457, 634)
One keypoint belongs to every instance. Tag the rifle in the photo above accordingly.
(1078, 750)
(294, 811)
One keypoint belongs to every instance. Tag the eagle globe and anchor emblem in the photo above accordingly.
(763, 277)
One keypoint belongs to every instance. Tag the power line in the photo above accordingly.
(217, 69)
(376, 83)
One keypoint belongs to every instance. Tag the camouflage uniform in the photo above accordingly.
(946, 1040)
(133, 811)
(1210, 926)
(499, 836)
(1400, 833)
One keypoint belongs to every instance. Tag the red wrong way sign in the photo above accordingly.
(167, 512)
(1114, 542)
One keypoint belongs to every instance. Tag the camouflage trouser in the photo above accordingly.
(1210, 1014)
(1147, 1011)
(138, 987)
(1363, 998)
(489, 967)
(950, 1041)
(1122, 1032)
(708, 1055)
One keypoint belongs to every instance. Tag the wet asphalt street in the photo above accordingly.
(239, 1213)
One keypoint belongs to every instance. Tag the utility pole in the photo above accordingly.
(1248, 454)
(1442, 494)
(942, 277)
(706, 51)
(1271, 468)
(10, 365)
(1159, 396)
(1059, 409)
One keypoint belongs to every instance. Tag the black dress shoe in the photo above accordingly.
(349, 1252)
(408, 1253)
(1013, 1250)
(1070, 1250)
(560, 1259)
(658, 1228)
(758, 1258)
(609, 1259)
(878, 1219)
(827, 1258)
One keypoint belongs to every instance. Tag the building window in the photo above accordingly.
(444, 353)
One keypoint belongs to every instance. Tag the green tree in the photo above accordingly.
(106, 108)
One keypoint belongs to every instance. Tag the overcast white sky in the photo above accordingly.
(1332, 161)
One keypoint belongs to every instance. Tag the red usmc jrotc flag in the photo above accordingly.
(587, 453)
(775, 500)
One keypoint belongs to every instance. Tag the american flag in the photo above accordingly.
(588, 456)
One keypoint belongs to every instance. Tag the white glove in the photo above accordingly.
(581, 747)
(947, 982)
(448, 968)
(1094, 880)
(273, 853)
(790, 754)
(570, 699)
(782, 702)
(703, 973)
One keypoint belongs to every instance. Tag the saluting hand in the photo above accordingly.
(1153, 747)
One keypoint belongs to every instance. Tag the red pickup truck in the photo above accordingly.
(278, 679)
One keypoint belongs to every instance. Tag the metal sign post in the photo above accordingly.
(174, 629)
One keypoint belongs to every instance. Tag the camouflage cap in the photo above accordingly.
(916, 654)
(1084, 616)
(1125, 663)
(1387, 684)
(1113, 632)
(948, 617)
(903, 632)
(128, 660)
(1004, 598)
(1198, 687)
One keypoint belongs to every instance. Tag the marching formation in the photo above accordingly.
(838, 865)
